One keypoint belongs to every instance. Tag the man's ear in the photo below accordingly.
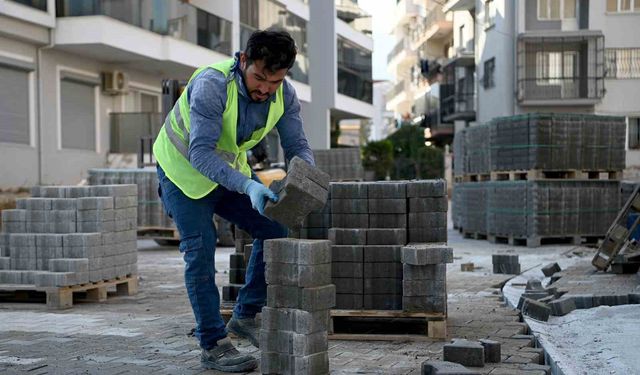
(243, 60)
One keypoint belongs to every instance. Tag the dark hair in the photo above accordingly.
(273, 46)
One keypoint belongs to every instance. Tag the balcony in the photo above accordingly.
(401, 55)
(457, 91)
(405, 10)
(397, 89)
(457, 5)
(564, 69)
(165, 35)
(433, 27)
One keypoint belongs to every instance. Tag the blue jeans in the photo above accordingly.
(194, 220)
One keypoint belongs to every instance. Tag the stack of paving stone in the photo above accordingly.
(471, 206)
(238, 262)
(150, 210)
(506, 263)
(293, 336)
(371, 222)
(67, 235)
(342, 164)
(553, 141)
(459, 153)
(304, 190)
(477, 156)
(316, 225)
(424, 284)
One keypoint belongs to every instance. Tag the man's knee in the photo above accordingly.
(199, 259)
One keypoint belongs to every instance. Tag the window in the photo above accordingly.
(77, 114)
(261, 14)
(354, 71)
(214, 32)
(14, 105)
(555, 67)
(622, 62)
(556, 9)
(634, 132)
(38, 4)
(489, 13)
(461, 36)
(623, 6)
(489, 70)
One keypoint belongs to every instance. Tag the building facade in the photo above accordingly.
(81, 78)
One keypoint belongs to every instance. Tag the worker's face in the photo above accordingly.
(261, 82)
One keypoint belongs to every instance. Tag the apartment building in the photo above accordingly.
(82, 79)
(553, 56)
(424, 43)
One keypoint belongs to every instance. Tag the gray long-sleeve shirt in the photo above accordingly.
(207, 95)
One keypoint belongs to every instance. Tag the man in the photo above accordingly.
(226, 109)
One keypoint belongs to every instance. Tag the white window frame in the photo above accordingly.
(138, 88)
(96, 90)
(562, 17)
(632, 7)
(31, 86)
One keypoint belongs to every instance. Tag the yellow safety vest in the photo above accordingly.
(171, 148)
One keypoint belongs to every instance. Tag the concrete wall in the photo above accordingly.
(496, 42)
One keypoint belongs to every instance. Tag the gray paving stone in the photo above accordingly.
(82, 239)
(297, 251)
(123, 202)
(505, 259)
(387, 190)
(278, 363)
(349, 301)
(562, 306)
(348, 190)
(348, 236)
(428, 205)
(426, 188)
(56, 279)
(10, 215)
(492, 351)
(382, 301)
(347, 253)
(425, 234)
(64, 204)
(68, 265)
(429, 253)
(387, 220)
(298, 274)
(464, 352)
(506, 268)
(386, 270)
(297, 166)
(307, 299)
(445, 368)
(95, 203)
(350, 220)
(536, 310)
(434, 272)
(382, 253)
(287, 342)
(386, 236)
(550, 269)
(427, 219)
(295, 320)
(416, 288)
(388, 206)
(14, 227)
(5, 263)
(22, 240)
(349, 206)
(347, 269)
(121, 190)
(382, 286)
(348, 285)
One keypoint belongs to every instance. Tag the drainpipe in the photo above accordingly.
(40, 85)
(514, 97)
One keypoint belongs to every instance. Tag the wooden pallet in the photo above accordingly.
(571, 174)
(474, 177)
(165, 236)
(474, 235)
(374, 320)
(62, 297)
(537, 241)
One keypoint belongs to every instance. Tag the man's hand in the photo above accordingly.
(258, 193)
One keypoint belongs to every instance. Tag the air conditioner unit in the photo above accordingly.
(115, 82)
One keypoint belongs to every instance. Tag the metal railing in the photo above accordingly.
(457, 103)
(424, 24)
(395, 91)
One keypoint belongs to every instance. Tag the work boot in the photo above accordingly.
(226, 358)
(245, 328)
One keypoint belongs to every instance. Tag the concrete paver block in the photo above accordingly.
(388, 206)
(464, 352)
(297, 251)
(382, 253)
(287, 342)
(386, 270)
(436, 272)
(415, 288)
(426, 234)
(387, 221)
(426, 188)
(424, 303)
(298, 274)
(428, 204)
(387, 190)
(11, 215)
(349, 206)
(350, 236)
(445, 368)
(307, 299)
(382, 301)
(492, 350)
(95, 203)
(347, 253)
(536, 310)
(382, 286)
(423, 254)
(386, 236)
(562, 306)
(550, 269)
(295, 320)
(507, 268)
(348, 285)
(349, 301)
(427, 219)
(349, 190)
(350, 220)
(347, 269)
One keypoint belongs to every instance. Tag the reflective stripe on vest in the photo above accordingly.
(171, 148)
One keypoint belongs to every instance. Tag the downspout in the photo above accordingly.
(41, 100)
(514, 97)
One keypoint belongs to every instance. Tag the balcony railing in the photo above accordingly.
(396, 50)
(128, 128)
(164, 17)
(424, 24)
(561, 70)
(396, 90)
(457, 90)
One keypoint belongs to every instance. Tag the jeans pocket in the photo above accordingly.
(191, 242)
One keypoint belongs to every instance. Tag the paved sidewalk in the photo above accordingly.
(148, 333)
